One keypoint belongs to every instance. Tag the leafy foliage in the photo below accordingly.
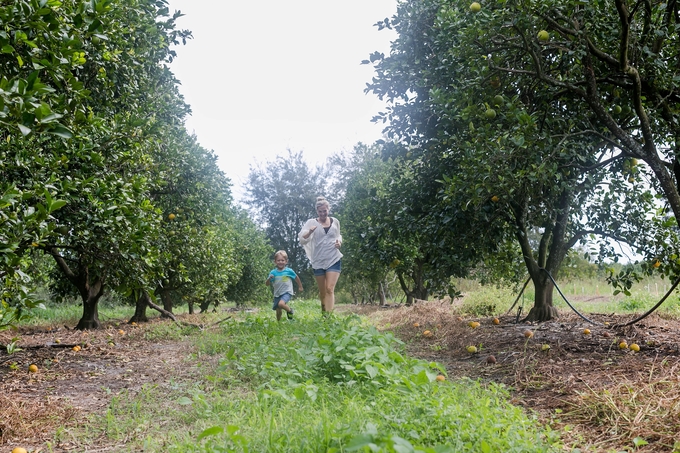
(521, 125)
(94, 155)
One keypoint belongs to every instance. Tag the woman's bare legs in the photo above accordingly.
(326, 285)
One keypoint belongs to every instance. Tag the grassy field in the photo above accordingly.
(587, 296)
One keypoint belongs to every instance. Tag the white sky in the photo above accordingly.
(265, 76)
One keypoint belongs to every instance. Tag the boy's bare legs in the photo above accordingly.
(280, 308)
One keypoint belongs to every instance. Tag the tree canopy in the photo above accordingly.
(95, 159)
(542, 115)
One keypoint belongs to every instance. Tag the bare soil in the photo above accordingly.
(602, 398)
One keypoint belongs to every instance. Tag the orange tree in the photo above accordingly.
(394, 221)
(92, 130)
(540, 115)
(207, 246)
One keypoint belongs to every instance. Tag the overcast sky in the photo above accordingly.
(262, 77)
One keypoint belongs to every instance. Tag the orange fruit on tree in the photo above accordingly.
(495, 198)
(171, 216)
(475, 7)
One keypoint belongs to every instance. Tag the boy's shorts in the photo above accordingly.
(284, 297)
(337, 267)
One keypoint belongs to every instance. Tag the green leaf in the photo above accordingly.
(212, 431)
(184, 401)
(56, 204)
(61, 131)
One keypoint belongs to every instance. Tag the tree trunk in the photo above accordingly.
(167, 300)
(140, 310)
(381, 294)
(90, 318)
(543, 309)
(90, 288)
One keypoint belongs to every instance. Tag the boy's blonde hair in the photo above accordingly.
(281, 253)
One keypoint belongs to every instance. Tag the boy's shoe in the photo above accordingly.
(290, 313)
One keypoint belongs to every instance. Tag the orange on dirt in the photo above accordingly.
(76, 348)
(460, 318)
(415, 324)
(122, 332)
(496, 321)
(634, 347)
(19, 450)
(528, 333)
(440, 378)
(33, 368)
(472, 349)
(623, 345)
(427, 333)
(586, 331)
(473, 324)
(545, 347)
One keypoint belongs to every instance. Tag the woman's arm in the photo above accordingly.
(307, 230)
(339, 237)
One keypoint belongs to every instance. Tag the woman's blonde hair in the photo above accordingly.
(281, 253)
(321, 201)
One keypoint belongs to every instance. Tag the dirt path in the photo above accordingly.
(70, 385)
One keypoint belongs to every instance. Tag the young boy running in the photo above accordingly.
(281, 280)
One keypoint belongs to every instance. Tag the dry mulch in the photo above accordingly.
(601, 397)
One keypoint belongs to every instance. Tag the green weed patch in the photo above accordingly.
(337, 385)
